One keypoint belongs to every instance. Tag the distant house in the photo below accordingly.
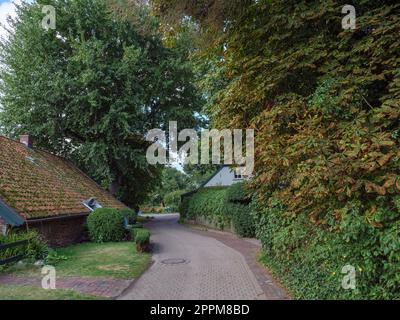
(42, 191)
(225, 176)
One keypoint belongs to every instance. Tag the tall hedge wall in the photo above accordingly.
(309, 259)
(223, 207)
(206, 203)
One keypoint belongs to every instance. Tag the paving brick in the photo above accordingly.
(213, 269)
(108, 288)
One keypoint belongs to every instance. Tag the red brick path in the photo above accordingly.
(107, 288)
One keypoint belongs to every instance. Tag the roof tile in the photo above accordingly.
(38, 184)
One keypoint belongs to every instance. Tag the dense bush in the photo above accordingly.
(133, 229)
(173, 200)
(142, 239)
(309, 258)
(130, 214)
(325, 105)
(208, 203)
(106, 225)
(237, 200)
(35, 249)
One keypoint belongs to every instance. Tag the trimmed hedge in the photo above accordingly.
(142, 239)
(35, 249)
(309, 258)
(221, 206)
(236, 207)
(208, 203)
(106, 225)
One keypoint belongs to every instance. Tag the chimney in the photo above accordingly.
(27, 140)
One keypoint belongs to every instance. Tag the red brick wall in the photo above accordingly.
(61, 232)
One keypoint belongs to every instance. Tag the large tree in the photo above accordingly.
(91, 89)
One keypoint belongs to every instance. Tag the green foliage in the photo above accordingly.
(325, 105)
(142, 239)
(206, 203)
(237, 200)
(172, 180)
(142, 236)
(34, 250)
(106, 225)
(173, 200)
(91, 89)
(221, 207)
(133, 230)
(309, 258)
(238, 194)
(53, 258)
(130, 214)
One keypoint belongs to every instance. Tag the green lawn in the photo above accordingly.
(8, 292)
(110, 260)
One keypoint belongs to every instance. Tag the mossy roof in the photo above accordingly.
(37, 184)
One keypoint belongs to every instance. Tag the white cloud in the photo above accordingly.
(7, 8)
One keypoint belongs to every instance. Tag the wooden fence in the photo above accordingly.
(7, 246)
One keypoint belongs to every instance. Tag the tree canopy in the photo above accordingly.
(91, 89)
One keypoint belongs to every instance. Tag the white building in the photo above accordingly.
(223, 177)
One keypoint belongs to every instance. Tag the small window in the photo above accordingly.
(92, 204)
(238, 176)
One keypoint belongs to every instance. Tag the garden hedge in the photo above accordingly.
(208, 203)
(237, 202)
(142, 239)
(222, 207)
(130, 214)
(106, 225)
(309, 259)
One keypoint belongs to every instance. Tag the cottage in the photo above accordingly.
(225, 176)
(39, 190)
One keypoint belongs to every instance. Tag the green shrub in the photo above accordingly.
(34, 250)
(236, 207)
(133, 229)
(173, 200)
(208, 203)
(106, 225)
(221, 206)
(142, 239)
(309, 258)
(130, 214)
(242, 219)
(237, 193)
(53, 258)
(142, 236)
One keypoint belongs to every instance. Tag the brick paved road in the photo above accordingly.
(212, 269)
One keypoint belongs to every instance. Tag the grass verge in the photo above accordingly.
(109, 260)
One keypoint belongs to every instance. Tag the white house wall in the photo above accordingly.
(225, 177)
